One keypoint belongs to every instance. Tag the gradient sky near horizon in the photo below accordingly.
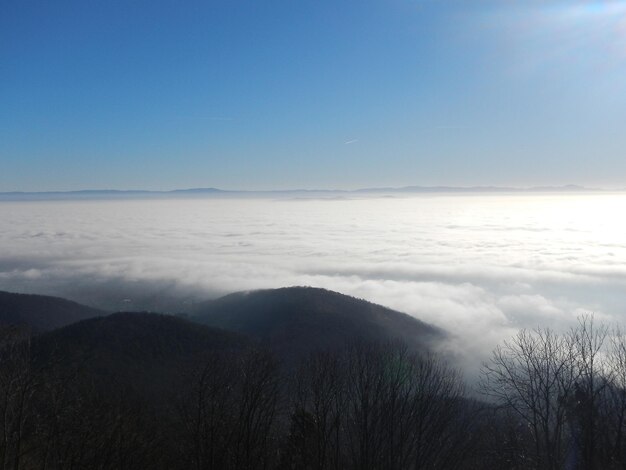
(311, 94)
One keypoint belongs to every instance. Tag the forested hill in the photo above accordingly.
(145, 337)
(143, 351)
(41, 313)
(297, 320)
(290, 387)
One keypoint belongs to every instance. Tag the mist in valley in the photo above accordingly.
(480, 266)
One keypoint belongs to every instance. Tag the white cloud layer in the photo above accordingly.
(478, 266)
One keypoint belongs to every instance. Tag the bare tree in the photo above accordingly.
(589, 398)
(18, 386)
(318, 397)
(377, 406)
(229, 414)
(611, 428)
(442, 421)
(534, 376)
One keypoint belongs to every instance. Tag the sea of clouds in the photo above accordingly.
(479, 266)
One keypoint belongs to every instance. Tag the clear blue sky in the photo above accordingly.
(316, 94)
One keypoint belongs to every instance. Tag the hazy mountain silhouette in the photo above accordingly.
(40, 312)
(292, 321)
(215, 192)
(297, 320)
(147, 351)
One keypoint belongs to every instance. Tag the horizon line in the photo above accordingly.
(394, 189)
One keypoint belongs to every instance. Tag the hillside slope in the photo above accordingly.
(42, 313)
(297, 320)
(147, 351)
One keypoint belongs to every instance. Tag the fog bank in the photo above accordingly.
(480, 266)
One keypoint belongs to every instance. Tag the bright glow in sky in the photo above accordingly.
(567, 37)
(161, 94)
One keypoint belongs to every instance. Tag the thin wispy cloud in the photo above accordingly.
(352, 141)
(443, 128)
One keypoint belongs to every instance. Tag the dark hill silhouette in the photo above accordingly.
(41, 313)
(107, 390)
(143, 336)
(146, 351)
(294, 321)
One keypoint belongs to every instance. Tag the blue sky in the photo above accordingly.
(311, 94)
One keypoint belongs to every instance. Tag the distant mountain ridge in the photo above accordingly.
(215, 192)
